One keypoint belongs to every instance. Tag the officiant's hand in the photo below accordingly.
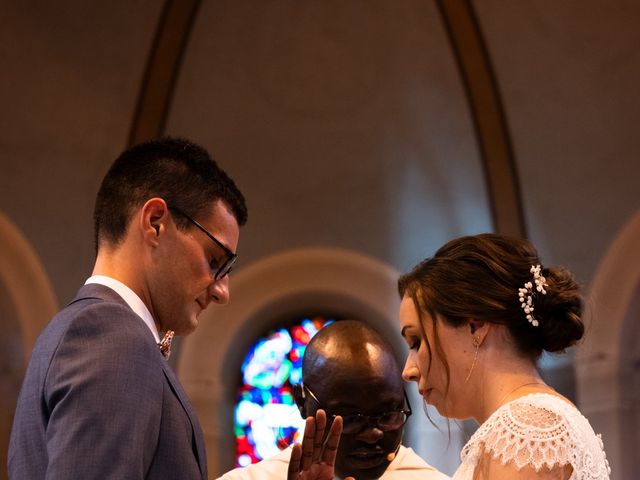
(315, 458)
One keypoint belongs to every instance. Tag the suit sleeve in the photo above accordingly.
(103, 395)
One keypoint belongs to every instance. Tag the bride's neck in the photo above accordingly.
(502, 380)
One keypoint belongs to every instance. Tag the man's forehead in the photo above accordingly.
(376, 367)
(345, 392)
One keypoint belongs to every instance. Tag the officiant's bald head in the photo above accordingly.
(349, 369)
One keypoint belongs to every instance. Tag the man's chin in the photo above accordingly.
(187, 327)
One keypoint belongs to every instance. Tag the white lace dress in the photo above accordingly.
(538, 430)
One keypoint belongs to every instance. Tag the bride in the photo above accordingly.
(476, 317)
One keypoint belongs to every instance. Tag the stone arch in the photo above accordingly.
(26, 282)
(608, 361)
(282, 285)
(27, 302)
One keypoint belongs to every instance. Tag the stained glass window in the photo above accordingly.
(266, 417)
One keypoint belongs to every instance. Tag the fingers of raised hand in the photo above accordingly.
(315, 457)
(321, 424)
(331, 444)
(294, 462)
(308, 444)
(333, 439)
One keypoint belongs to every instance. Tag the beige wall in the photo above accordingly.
(345, 123)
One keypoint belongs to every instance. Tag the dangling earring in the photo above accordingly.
(476, 343)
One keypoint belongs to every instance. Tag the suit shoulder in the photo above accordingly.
(105, 316)
(104, 342)
(100, 325)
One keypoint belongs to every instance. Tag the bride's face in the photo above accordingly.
(434, 346)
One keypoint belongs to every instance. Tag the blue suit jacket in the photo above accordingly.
(100, 401)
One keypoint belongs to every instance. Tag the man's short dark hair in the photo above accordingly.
(174, 169)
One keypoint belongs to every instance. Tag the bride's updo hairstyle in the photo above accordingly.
(480, 278)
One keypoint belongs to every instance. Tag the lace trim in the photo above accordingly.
(540, 430)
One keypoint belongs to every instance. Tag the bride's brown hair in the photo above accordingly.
(478, 277)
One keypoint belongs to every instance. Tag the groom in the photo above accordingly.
(99, 399)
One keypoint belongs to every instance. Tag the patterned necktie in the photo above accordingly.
(165, 344)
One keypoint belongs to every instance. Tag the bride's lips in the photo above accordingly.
(426, 393)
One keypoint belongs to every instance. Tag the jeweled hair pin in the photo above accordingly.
(526, 294)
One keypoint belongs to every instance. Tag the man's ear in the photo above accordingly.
(479, 330)
(153, 217)
(300, 398)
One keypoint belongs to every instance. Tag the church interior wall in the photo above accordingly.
(349, 129)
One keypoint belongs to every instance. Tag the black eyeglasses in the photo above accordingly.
(221, 269)
(355, 423)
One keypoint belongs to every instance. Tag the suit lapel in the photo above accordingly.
(186, 404)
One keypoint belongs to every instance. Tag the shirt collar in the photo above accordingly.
(130, 297)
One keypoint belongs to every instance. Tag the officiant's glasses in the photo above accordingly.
(355, 423)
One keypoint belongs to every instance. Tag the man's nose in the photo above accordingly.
(371, 433)
(219, 290)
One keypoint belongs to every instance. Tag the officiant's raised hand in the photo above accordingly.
(315, 458)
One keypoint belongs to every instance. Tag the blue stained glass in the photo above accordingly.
(266, 416)
(266, 364)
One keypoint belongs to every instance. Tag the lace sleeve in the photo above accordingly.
(541, 431)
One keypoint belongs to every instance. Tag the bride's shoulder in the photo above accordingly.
(539, 417)
(539, 411)
(539, 430)
(529, 413)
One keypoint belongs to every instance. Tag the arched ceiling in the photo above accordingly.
(347, 123)
(350, 124)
